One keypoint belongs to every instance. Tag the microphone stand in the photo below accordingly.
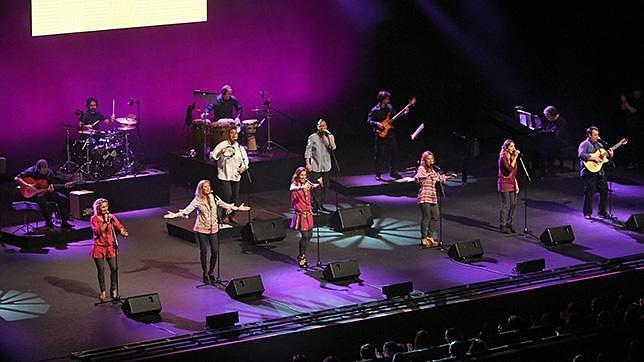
(337, 174)
(526, 230)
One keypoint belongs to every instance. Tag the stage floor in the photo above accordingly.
(47, 300)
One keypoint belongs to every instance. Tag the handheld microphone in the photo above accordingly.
(437, 168)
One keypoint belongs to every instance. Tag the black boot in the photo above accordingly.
(510, 228)
(504, 229)
(205, 278)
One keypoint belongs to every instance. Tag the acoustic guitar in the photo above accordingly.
(593, 166)
(41, 187)
(388, 123)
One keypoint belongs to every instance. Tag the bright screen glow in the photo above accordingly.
(73, 16)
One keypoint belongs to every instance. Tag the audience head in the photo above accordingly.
(477, 347)
(390, 348)
(299, 357)
(452, 334)
(330, 359)
(421, 340)
(457, 349)
(368, 351)
(516, 322)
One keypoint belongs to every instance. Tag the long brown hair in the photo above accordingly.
(297, 172)
(504, 146)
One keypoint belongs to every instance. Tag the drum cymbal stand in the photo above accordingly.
(69, 166)
(270, 145)
(85, 169)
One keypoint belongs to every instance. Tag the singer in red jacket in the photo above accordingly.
(104, 226)
(508, 185)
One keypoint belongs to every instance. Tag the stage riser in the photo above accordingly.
(266, 173)
(148, 190)
(51, 239)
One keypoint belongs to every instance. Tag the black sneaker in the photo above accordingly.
(205, 278)
(379, 177)
(604, 215)
(587, 216)
(510, 228)
(396, 175)
(212, 278)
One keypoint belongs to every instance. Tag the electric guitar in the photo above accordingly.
(41, 187)
(387, 123)
(594, 166)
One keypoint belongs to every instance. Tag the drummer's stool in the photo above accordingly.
(27, 208)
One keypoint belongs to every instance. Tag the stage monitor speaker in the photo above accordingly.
(221, 321)
(465, 250)
(530, 266)
(397, 290)
(80, 204)
(264, 231)
(635, 223)
(141, 305)
(245, 287)
(351, 218)
(557, 235)
(341, 270)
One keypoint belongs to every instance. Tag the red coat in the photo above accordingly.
(104, 243)
(507, 180)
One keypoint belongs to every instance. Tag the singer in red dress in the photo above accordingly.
(507, 185)
(303, 215)
(104, 226)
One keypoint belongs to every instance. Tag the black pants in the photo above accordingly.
(508, 204)
(57, 198)
(204, 240)
(385, 149)
(319, 193)
(430, 219)
(100, 268)
(594, 182)
(304, 240)
(230, 191)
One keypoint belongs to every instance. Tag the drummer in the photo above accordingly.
(91, 118)
(225, 105)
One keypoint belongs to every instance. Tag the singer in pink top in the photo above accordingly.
(507, 185)
(104, 226)
(303, 215)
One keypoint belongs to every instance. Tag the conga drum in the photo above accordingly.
(200, 137)
(250, 128)
(220, 131)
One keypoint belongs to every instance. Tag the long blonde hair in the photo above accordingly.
(97, 204)
(505, 146)
(199, 191)
(296, 174)
(424, 156)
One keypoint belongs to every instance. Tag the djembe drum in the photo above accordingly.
(250, 128)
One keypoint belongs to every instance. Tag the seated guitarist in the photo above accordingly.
(593, 181)
(388, 146)
(41, 171)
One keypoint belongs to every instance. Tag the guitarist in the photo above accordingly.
(388, 146)
(593, 181)
(41, 171)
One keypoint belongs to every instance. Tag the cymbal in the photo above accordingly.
(201, 120)
(258, 109)
(88, 131)
(126, 128)
(126, 121)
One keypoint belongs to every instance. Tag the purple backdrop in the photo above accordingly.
(289, 48)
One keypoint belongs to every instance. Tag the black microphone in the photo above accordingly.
(601, 141)
(437, 168)
(108, 214)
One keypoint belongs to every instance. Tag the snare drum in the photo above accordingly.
(250, 128)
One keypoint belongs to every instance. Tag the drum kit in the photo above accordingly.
(97, 154)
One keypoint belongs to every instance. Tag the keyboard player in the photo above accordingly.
(552, 139)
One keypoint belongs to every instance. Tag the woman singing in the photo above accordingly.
(232, 161)
(426, 177)
(303, 216)
(206, 224)
(508, 185)
(104, 226)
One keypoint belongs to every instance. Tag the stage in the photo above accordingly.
(37, 306)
